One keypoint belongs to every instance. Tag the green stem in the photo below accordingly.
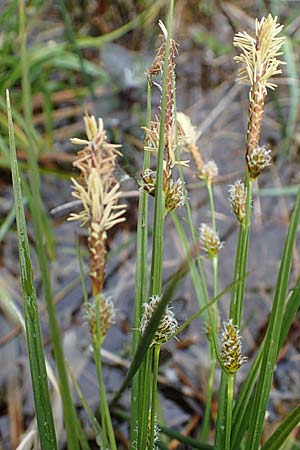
(212, 353)
(212, 205)
(108, 432)
(230, 389)
(144, 398)
(159, 209)
(154, 394)
(206, 420)
(141, 284)
(236, 306)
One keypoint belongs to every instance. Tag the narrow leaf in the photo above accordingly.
(272, 337)
(282, 432)
(33, 329)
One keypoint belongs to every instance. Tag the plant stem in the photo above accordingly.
(212, 205)
(205, 425)
(154, 394)
(159, 209)
(144, 398)
(230, 388)
(107, 428)
(141, 284)
(215, 314)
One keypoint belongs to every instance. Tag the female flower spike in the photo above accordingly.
(167, 325)
(209, 241)
(259, 60)
(231, 348)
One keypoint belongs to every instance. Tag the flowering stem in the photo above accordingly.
(107, 427)
(212, 205)
(230, 388)
(144, 398)
(141, 284)
(205, 426)
(159, 208)
(212, 353)
(241, 259)
(154, 394)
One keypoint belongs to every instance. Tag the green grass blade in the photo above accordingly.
(71, 36)
(33, 329)
(34, 177)
(282, 432)
(242, 407)
(91, 416)
(189, 442)
(42, 234)
(7, 222)
(272, 337)
(292, 306)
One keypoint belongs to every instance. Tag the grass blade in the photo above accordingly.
(33, 330)
(282, 432)
(190, 442)
(272, 337)
(43, 233)
(242, 406)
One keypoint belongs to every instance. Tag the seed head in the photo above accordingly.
(257, 160)
(209, 171)
(156, 433)
(175, 197)
(231, 348)
(106, 314)
(210, 241)
(238, 198)
(167, 325)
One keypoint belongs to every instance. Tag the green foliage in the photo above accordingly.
(240, 416)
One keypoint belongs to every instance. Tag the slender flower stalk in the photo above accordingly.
(207, 171)
(165, 331)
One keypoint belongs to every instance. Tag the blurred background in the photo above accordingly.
(92, 56)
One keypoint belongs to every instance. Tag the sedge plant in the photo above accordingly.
(240, 415)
